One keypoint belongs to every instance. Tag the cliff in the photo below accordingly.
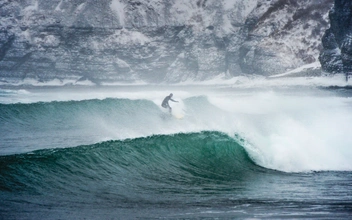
(157, 40)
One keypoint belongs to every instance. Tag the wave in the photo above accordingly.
(291, 132)
(159, 162)
(63, 124)
(56, 124)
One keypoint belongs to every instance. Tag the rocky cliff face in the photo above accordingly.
(157, 40)
(336, 57)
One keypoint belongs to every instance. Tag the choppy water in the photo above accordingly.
(69, 154)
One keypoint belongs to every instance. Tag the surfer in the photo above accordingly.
(165, 103)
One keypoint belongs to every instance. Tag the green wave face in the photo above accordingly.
(34, 126)
(181, 162)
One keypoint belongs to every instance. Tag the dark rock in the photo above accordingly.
(336, 56)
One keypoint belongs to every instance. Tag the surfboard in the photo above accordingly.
(178, 115)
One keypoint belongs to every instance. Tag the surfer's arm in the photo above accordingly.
(173, 100)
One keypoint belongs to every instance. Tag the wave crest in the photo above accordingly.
(158, 162)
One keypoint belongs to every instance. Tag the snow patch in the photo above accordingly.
(26, 35)
(58, 7)
(127, 37)
(182, 11)
(122, 63)
(48, 41)
(33, 7)
(310, 66)
(118, 7)
(80, 8)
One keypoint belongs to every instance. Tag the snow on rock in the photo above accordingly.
(118, 7)
(158, 40)
(288, 33)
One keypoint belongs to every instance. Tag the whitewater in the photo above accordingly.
(239, 151)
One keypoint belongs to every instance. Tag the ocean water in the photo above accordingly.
(114, 153)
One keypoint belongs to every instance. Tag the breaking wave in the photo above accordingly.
(279, 131)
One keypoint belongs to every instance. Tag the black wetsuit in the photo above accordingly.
(165, 103)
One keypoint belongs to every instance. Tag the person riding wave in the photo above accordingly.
(165, 103)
